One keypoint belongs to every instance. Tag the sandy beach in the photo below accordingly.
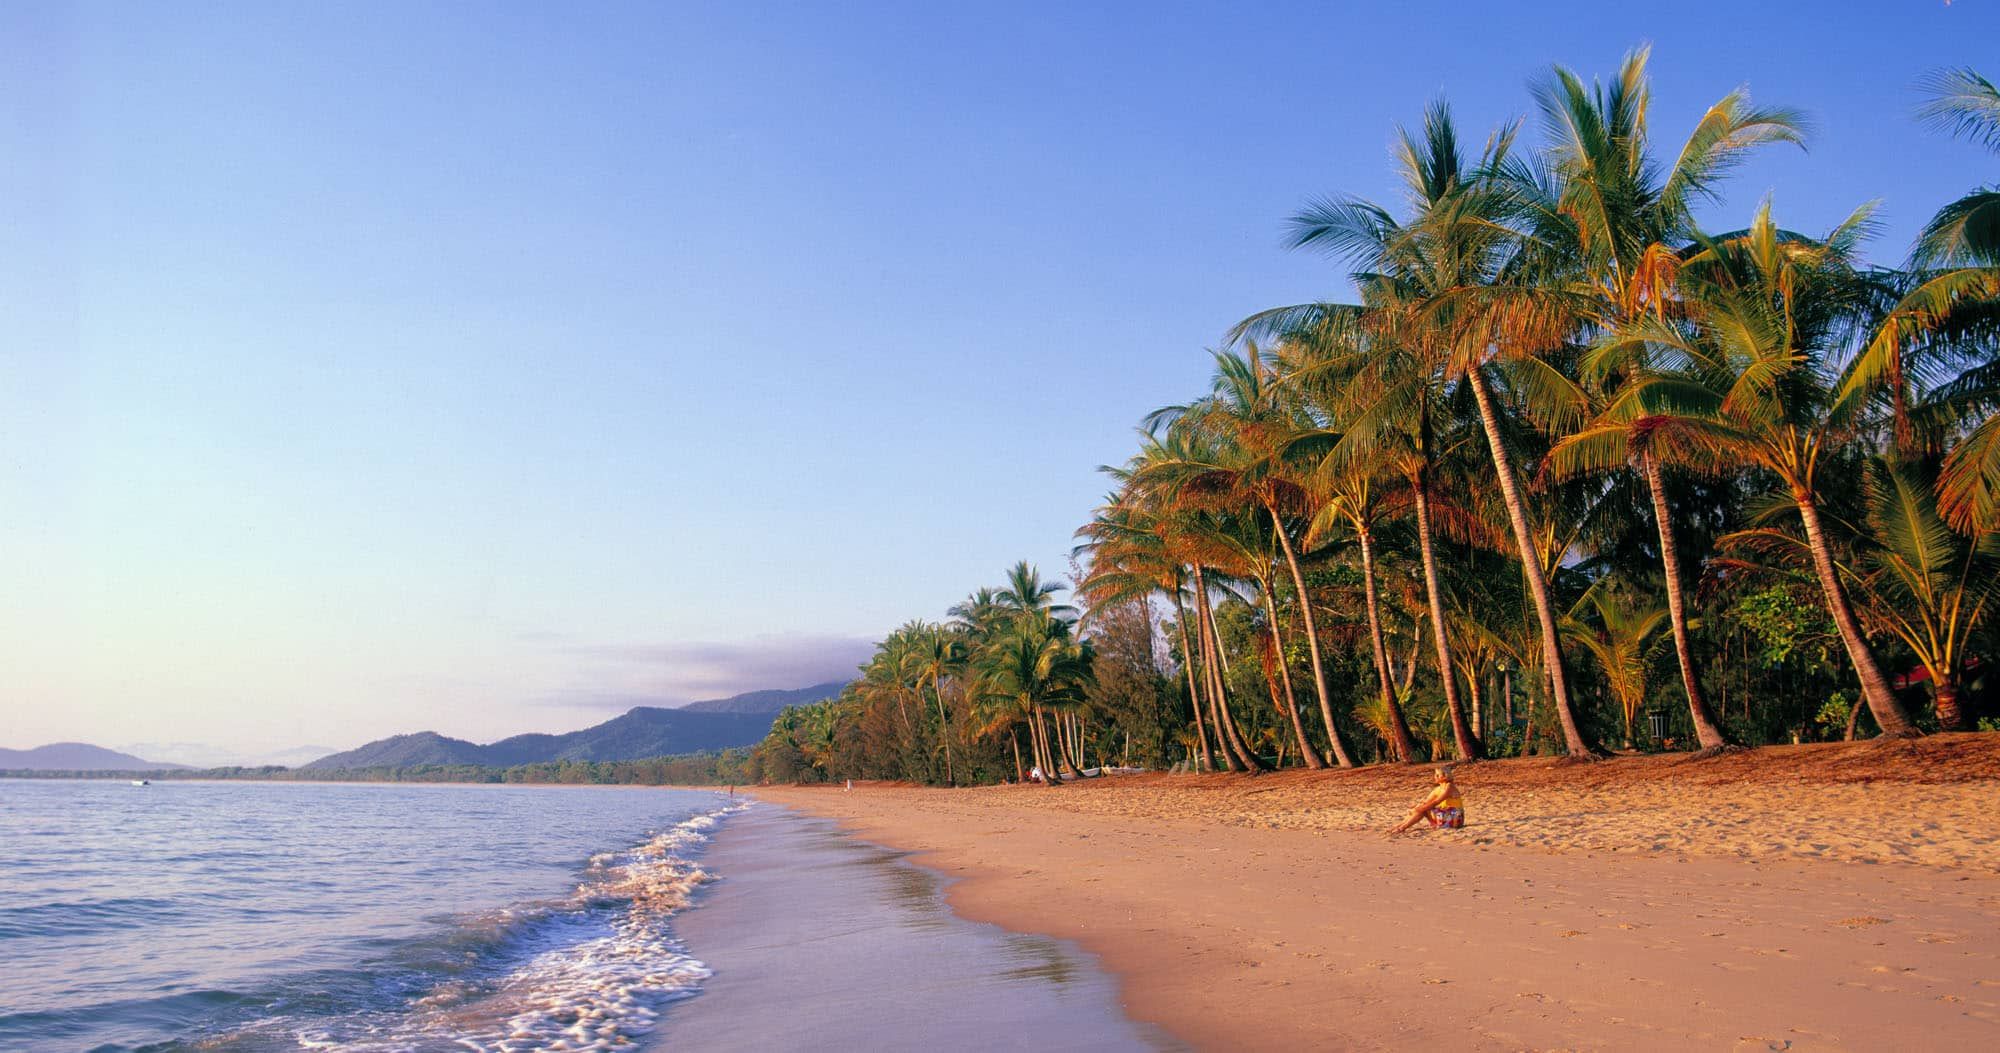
(1838, 896)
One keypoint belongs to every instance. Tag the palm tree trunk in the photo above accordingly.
(1944, 695)
(1312, 648)
(1306, 751)
(1399, 725)
(1212, 681)
(1461, 732)
(1212, 675)
(1707, 730)
(1882, 701)
(1238, 747)
(1063, 744)
(1194, 695)
(1477, 689)
(944, 732)
(1579, 744)
(1046, 757)
(1014, 736)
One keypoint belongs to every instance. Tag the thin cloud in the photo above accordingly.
(619, 676)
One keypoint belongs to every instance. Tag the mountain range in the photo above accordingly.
(76, 756)
(643, 731)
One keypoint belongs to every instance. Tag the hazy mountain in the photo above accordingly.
(76, 756)
(423, 747)
(770, 701)
(646, 731)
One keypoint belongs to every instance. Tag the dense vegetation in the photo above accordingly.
(1567, 470)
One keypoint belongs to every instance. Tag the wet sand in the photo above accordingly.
(1243, 912)
(820, 941)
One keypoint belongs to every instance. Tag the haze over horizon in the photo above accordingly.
(495, 371)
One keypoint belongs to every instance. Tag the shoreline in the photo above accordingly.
(1227, 922)
(816, 939)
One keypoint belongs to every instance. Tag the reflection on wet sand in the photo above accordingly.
(817, 940)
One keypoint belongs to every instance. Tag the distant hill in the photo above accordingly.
(766, 701)
(645, 731)
(76, 756)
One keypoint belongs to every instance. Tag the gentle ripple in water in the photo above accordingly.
(282, 915)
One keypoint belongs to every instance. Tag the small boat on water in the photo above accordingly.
(142, 782)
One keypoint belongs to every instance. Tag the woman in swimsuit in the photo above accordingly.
(1443, 807)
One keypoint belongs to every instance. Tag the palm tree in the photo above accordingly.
(1026, 593)
(1029, 668)
(1622, 638)
(1129, 557)
(935, 653)
(1624, 217)
(1918, 580)
(1351, 496)
(1409, 270)
(1768, 314)
(1243, 425)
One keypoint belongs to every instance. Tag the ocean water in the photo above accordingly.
(256, 916)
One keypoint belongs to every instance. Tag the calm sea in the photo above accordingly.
(282, 916)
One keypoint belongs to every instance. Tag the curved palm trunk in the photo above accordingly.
(1044, 757)
(1399, 725)
(1461, 731)
(1882, 701)
(1306, 752)
(1211, 675)
(1707, 730)
(1238, 746)
(1578, 743)
(944, 732)
(1014, 736)
(1067, 749)
(1312, 648)
(1194, 694)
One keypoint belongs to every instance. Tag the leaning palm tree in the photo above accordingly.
(1243, 424)
(1914, 577)
(1623, 218)
(1770, 315)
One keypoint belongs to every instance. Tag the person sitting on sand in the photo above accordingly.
(1443, 806)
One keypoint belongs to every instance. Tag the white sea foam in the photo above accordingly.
(599, 969)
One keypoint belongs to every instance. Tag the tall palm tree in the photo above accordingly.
(1624, 218)
(1769, 317)
(935, 653)
(1410, 271)
(1244, 424)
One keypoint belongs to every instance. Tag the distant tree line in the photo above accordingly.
(728, 767)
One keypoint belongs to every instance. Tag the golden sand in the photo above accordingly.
(1842, 896)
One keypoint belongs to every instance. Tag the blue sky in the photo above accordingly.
(491, 368)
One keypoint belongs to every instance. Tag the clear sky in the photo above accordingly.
(494, 367)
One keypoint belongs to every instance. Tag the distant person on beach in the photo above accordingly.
(1443, 806)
